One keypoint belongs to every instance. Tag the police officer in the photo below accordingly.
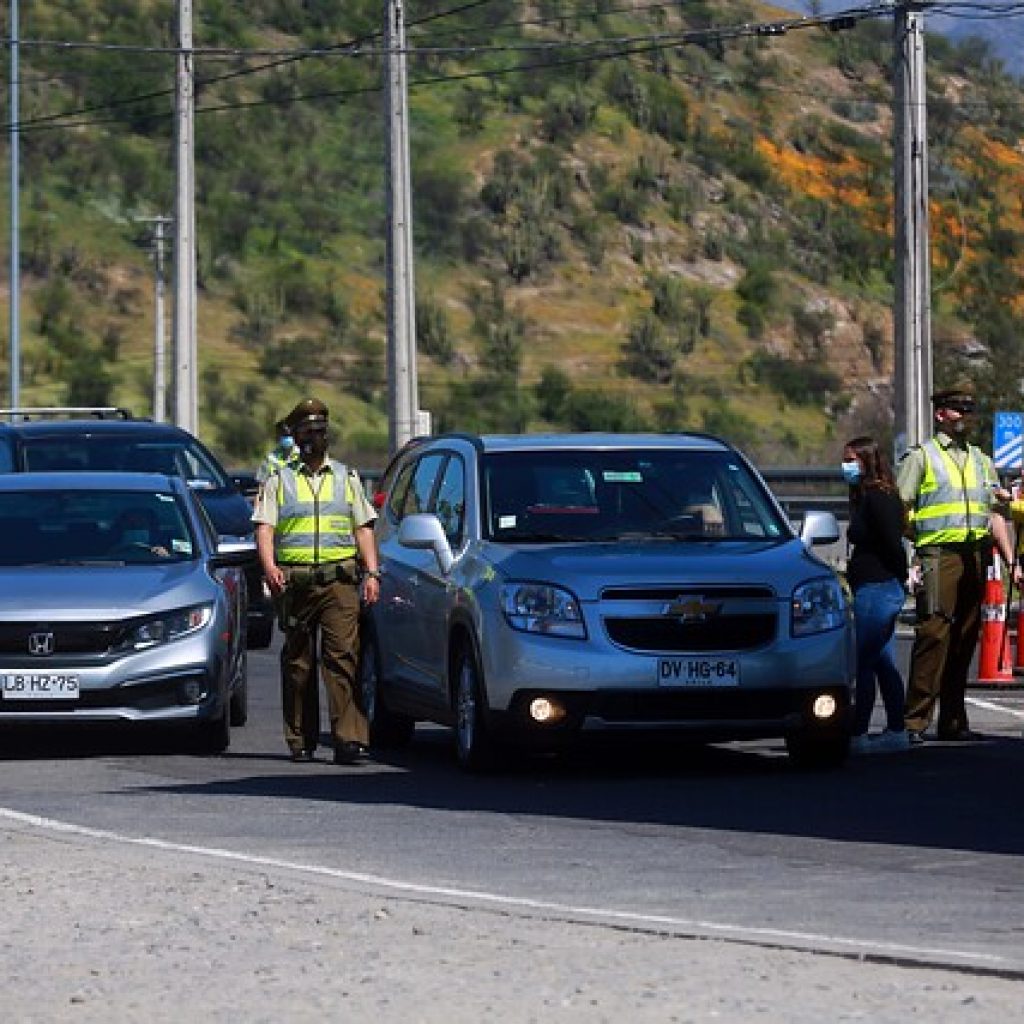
(951, 491)
(316, 544)
(283, 453)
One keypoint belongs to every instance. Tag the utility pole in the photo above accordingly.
(159, 348)
(15, 304)
(185, 347)
(403, 390)
(912, 314)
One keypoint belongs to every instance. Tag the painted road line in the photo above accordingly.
(987, 705)
(813, 942)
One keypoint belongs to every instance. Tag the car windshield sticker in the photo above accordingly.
(628, 476)
(181, 546)
(506, 522)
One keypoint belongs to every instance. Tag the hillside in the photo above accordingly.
(625, 215)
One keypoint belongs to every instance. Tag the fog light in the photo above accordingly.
(193, 691)
(824, 706)
(544, 710)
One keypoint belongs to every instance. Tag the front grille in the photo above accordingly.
(69, 638)
(722, 633)
(690, 619)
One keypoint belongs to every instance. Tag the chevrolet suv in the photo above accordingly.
(539, 590)
(110, 439)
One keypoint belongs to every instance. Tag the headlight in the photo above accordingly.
(542, 608)
(171, 626)
(818, 606)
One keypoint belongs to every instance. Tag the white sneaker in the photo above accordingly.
(889, 742)
(860, 744)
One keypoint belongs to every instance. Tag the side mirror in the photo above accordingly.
(819, 528)
(422, 531)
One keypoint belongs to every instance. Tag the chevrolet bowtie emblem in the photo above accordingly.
(691, 609)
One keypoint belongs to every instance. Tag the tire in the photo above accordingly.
(474, 744)
(214, 735)
(387, 728)
(817, 753)
(260, 634)
(239, 707)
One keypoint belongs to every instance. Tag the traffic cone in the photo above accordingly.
(994, 659)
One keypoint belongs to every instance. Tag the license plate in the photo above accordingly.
(39, 686)
(698, 672)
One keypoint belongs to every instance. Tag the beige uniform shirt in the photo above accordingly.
(910, 471)
(265, 508)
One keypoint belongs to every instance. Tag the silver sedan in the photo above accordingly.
(119, 603)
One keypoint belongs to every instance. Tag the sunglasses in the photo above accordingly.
(964, 408)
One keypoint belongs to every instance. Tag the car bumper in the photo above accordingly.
(601, 689)
(180, 681)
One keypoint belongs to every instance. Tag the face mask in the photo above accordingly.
(314, 444)
(851, 472)
(287, 443)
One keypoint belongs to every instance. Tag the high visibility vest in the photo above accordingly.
(314, 526)
(952, 503)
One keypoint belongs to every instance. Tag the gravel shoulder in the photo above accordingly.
(94, 929)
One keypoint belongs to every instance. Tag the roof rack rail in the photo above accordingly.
(98, 412)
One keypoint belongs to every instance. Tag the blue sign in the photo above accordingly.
(1008, 440)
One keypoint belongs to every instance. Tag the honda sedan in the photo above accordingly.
(119, 603)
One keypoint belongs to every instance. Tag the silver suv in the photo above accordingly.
(540, 589)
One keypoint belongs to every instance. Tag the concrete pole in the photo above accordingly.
(185, 347)
(912, 314)
(15, 304)
(159, 357)
(403, 397)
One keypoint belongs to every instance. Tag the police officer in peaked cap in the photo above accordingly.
(314, 534)
(951, 491)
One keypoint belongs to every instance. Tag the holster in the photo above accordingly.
(928, 594)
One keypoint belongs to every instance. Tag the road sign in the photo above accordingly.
(1008, 440)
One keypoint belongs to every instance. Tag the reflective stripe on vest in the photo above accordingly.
(314, 526)
(952, 503)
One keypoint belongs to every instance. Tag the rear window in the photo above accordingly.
(586, 494)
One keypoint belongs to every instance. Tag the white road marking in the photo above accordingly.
(808, 941)
(987, 705)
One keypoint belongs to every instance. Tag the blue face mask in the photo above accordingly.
(851, 472)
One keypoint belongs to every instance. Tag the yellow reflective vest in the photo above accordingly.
(314, 516)
(953, 503)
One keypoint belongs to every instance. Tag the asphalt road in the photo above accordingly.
(914, 858)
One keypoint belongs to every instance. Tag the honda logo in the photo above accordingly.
(40, 644)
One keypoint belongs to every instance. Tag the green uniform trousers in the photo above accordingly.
(949, 619)
(330, 610)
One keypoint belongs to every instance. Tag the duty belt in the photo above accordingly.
(326, 572)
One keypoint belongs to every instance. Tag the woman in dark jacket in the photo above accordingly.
(876, 571)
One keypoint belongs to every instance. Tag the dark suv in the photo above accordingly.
(111, 439)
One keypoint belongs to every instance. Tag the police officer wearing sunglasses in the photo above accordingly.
(315, 539)
(952, 493)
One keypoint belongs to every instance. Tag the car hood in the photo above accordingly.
(72, 593)
(587, 569)
(229, 512)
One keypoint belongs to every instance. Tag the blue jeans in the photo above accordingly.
(875, 608)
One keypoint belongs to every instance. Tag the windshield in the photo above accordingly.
(108, 453)
(92, 527)
(588, 494)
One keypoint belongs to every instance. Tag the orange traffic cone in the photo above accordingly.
(994, 659)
